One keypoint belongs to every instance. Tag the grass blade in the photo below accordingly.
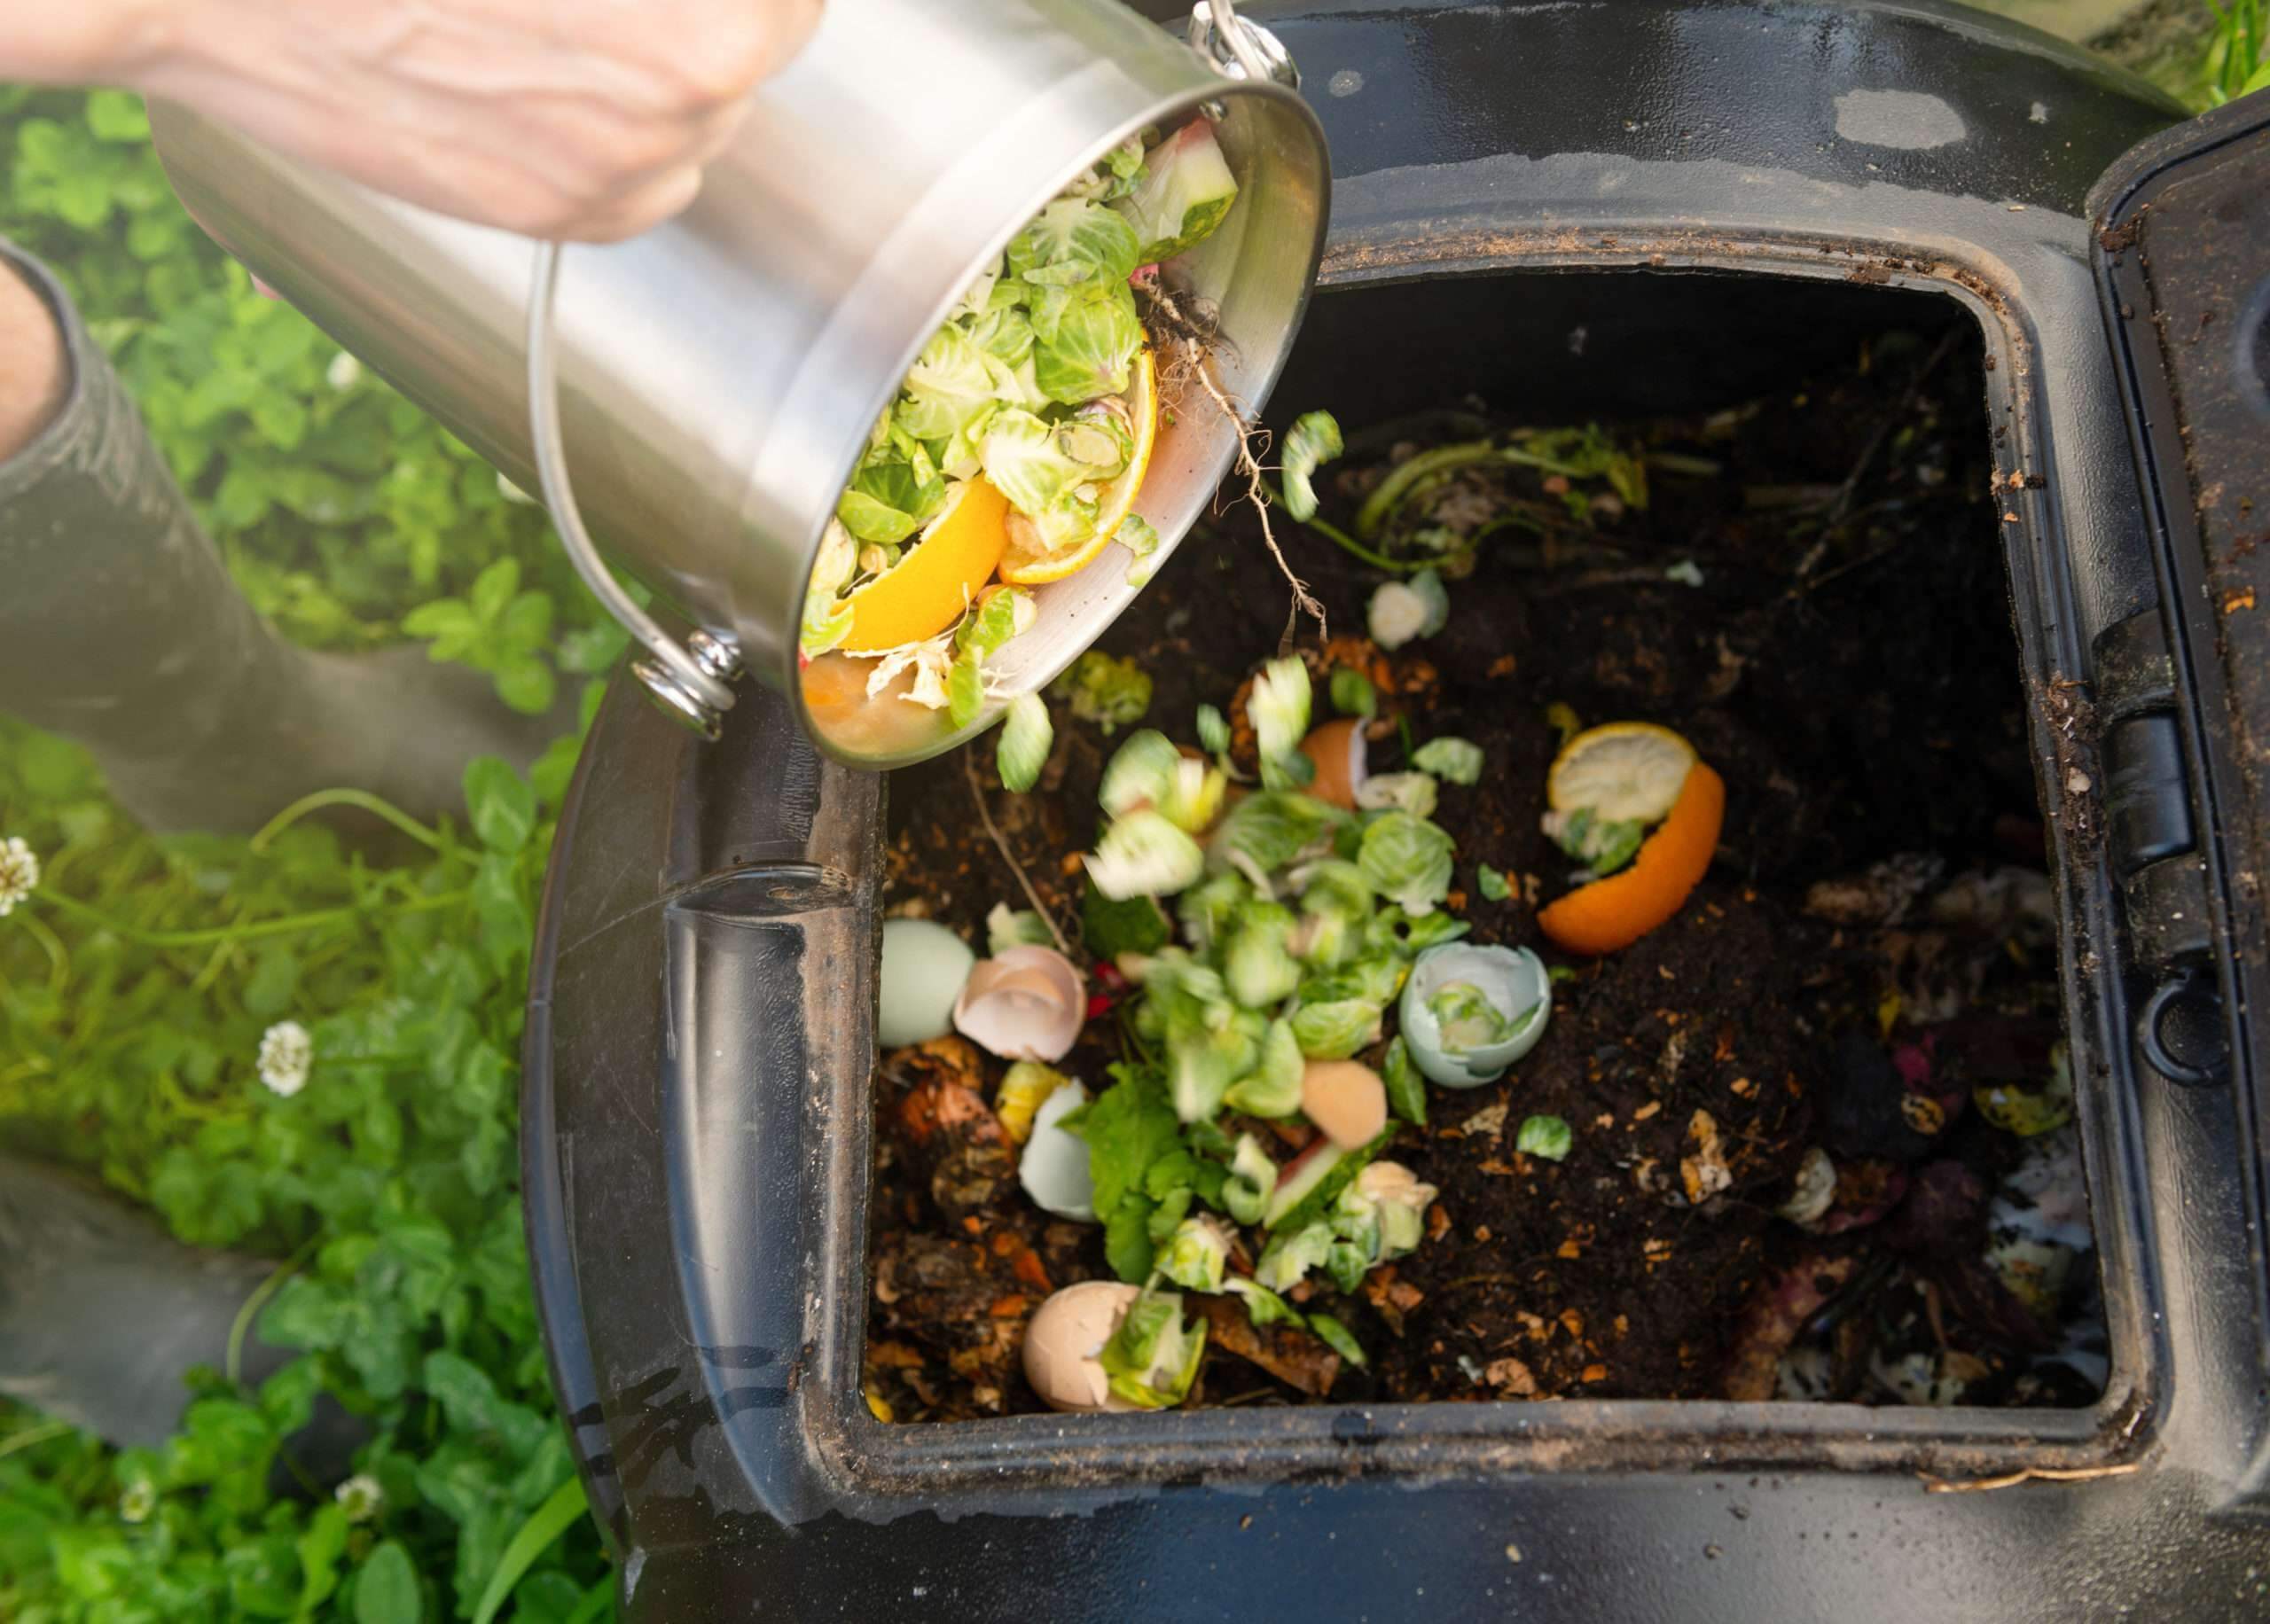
(544, 1524)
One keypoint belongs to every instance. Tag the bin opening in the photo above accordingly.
(1822, 1142)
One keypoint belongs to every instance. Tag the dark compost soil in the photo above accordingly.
(1847, 664)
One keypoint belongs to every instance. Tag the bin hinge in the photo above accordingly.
(2152, 844)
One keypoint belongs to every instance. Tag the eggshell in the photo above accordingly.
(1035, 985)
(1389, 1181)
(1053, 1168)
(1346, 1099)
(1512, 979)
(1339, 751)
(925, 967)
(1027, 1004)
(1063, 1339)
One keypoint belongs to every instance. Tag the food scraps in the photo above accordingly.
(1017, 446)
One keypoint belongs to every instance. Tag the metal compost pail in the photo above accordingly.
(717, 377)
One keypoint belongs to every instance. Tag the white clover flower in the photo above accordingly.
(360, 1496)
(344, 372)
(286, 1051)
(19, 873)
(137, 1501)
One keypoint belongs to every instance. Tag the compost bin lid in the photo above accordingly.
(2182, 255)
(2181, 252)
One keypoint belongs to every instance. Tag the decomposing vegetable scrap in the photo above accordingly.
(1546, 1137)
(1024, 1088)
(1401, 611)
(1353, 694)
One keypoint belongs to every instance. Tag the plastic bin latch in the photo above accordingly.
(2152, 846)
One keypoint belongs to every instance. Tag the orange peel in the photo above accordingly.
(1622, 771)
(933, 584)
(1023, 567)
(1615, 912)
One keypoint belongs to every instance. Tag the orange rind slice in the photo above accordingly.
(1624, 772)
(1023, 566)
(933, 585)
(1615, 912)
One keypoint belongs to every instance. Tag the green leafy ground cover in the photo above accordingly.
(2237, 62)
(137, 980)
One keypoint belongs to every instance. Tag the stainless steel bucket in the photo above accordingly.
(719, 376)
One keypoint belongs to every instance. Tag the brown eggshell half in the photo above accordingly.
(1346, 1099)
(1063, 1339)
(1027, 1003)
(1339, 751)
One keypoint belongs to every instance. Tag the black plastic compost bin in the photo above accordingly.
(1716, 193)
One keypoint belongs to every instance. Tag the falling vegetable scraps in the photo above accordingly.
(1111, 692)
(1018, 444)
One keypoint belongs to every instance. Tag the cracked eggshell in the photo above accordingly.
(925, 967)
(1054, 1167)
(1063, 1340)
(1512, 979)
(1391, 1181)
(1027, 1003)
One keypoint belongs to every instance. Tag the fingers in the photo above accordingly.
(736, 46)
(717, 104)
(581, 119)
(646, 205)
(657, 190)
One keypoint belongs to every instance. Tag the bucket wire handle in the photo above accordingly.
(690, 681)
(1253, 52)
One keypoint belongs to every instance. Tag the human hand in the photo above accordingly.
(578, 119)
(33, 369)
